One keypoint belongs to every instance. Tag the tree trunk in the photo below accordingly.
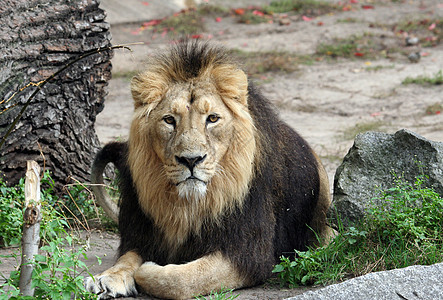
(37, 38)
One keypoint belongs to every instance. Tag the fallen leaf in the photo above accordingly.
(354, 1)
(346, 8)
(145, 3)
(218, 19)
(432, 27)
(320, 23)
(239, 11)
(375, 114)
(258, 13)
(367, 6)
(368, 63)
(307, 19)
(359, 54)
(196, 36)
(151, 23)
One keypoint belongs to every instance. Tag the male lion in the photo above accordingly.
(214, 186)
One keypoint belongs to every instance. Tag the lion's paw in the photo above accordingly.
(114, 285)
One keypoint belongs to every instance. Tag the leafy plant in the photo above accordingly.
(405, 229)
(57, 274)
(58, 271)
(11, 216)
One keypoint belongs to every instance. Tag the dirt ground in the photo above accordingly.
(327, 101)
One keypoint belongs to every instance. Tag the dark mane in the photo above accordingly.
(190, 59)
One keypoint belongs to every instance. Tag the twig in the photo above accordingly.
(31, 227)
(42, 83)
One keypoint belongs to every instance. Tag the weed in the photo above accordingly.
(58, 271)
(434, 109)
(364, 46)
(348, 20)
(254, 17)
(405, 229)
(185, 23)
(436, 79)
(302, 7)
(256, 63)
(11, 212)
(351, 132)
(379, 67)
(224, 294)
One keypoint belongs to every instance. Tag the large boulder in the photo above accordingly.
(371, 164)
(415, 282)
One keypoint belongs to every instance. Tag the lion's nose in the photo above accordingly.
(190, 162)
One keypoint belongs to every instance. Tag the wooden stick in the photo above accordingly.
(31, 227)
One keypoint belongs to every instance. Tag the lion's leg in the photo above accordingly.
(319, 221)
(199, 277)
(118, 280)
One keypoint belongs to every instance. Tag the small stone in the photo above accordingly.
(414, 57)
(284, 22)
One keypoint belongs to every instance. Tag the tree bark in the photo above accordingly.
(37, 38)
(31, 227)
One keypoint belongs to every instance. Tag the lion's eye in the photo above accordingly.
(212, 118)
(169, 120)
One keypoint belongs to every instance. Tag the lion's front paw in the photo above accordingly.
(111, 285)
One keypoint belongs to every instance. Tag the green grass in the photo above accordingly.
(379, 67)
(404, 230)
(302, 7)
(351, 132)
(357, 46)
(436, 79)
(260, 62)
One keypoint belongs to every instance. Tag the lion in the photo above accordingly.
(214, 185)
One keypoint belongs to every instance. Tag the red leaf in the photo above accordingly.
(354, 1)
(151, 23)
(258, 13)
(320, 23)
(239, 11)
(359, 54)
(307, 19)
(218, 19)
(367, 6)
(196, 36)
(145, 3)
(432, 27)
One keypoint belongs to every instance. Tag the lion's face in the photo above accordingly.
(191, 129)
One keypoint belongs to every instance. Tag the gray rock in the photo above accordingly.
(371, 163)
(415, 282)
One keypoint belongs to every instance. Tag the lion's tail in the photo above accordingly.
(115, 153)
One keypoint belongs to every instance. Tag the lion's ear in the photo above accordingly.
(147, 88)
(232, 83)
